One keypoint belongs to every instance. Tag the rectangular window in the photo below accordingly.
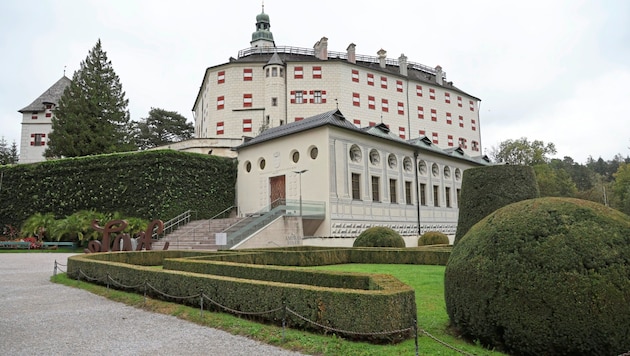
(462, 142)
(356, 99)
(297, 97)
(221, 77)
(384, 82)
(392, 191)
(447, 196)
(317, 97)
(433, 115)
(419, 90)
(401, 108)
(447, 98)
(370, 79)
(375, 189)
(436, 195)
(423, 194)
(459, 101)
(399, 86)
(248, 74)
(274, 72)
(355, 75)
(48, 114)
(450, 140)
(298, 73)
(357, 122)
(420, 112)
(38, 139)
(472, 105)
(34, 115)
(220, 127)
(449, 118)
(435, 138)
(407, 192)
(296, 119)
(401, 132)
(356, 186)
(247, 125)
(475, 146)
(371, 102)
(274, 101)
(473, 124)
(317, 72)
(461, 121)
(457, 194)
(247, 100)
(422, 132)
(220, 103)
(432, 94)
(384, 105)
(372, 123)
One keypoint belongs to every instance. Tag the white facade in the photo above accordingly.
(37, 122)
(364, 178)
(271, 86)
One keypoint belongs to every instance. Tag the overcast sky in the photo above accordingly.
(556, 71)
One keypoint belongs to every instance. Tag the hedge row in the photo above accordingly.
(151, 185)
(356, 310)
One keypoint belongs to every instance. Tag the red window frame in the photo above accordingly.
(317, 72)
(220, 102)
(355, 75)
(432, 94)
(371, 102)
(401, 108)
(433, 115)
(384, 105)
(221, 77)
(220, 128)
(247, 100)
(298, 73)
(399, 86)
(420, 112)
(447, 98)
(247, 125)
(419, 90)
(449, 118)
(461, 121)
(248, 74)
(384, 82)
(356, 99)
(370, 79)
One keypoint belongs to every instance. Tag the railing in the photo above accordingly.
(223, 212)
(256, 221)
(332, 54)
(174, 223)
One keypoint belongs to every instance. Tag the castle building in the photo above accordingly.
(268, 86)
(37, 122)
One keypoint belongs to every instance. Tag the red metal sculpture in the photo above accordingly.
(144, 239)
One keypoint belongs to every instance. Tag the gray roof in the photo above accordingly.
(51, 95)
(336, 118)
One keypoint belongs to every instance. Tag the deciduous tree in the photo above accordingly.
(523, 152)
(161, 128)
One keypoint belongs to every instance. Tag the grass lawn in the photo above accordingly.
(43, 250)
(427, 281)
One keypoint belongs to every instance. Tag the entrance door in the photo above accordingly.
(278, 190)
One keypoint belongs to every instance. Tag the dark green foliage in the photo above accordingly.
(8, 155)
(161, 128)
(546, 276)
(91, 117)
(149, 185)
(433, 238)
(379, 236)
(346, 301)
(486, 189)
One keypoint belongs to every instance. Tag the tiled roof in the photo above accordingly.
(336, 118)
(51, 95)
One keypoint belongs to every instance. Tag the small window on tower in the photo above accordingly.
(274, 72)
(274, 101)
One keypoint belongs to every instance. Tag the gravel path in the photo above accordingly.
(38, 317)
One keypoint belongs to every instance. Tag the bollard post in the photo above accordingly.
(201, 303)
(415, 329)
(144, 300)
(107, 279)
(284, 318)
(55, 270)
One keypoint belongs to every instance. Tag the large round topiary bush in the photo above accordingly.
(433, 238)
(379, 236)
(486, 189)
(546, 276)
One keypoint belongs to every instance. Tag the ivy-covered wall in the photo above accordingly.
(152, 185)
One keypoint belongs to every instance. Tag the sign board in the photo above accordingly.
(220, 238)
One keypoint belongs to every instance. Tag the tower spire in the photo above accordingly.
(263, 36)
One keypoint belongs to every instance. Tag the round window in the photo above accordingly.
(248, 166)
(392, 162)
(295, 156)
(407, 164)
(355, 154)
(262, 163)
(422, 167)
(375, 158)
(314, 152)
(435, 170)
(458, 174)
(447, 172)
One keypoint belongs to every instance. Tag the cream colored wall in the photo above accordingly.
(253, 187)
(42, 125)
(337, 82)
(284, 231)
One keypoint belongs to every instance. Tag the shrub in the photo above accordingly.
(546, 276)
(486, 189)
(379, 236)
(433, 238)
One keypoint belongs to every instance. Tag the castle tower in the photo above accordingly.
(263, 36)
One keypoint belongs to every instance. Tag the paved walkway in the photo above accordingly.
(38, 317)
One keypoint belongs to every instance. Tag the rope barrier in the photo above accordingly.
(201, 295)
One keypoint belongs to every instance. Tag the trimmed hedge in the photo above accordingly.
(379, 236)
(158, 184)
(546, 276)
(388, 305)
(486, 189)
(433, 238)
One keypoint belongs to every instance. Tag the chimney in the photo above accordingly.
(438, 75)
(352, 53)
(321, 49)
(382, 55)
(402, 64)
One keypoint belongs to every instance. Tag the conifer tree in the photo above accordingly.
(91, 116)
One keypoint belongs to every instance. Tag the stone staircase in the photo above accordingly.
(197, 235)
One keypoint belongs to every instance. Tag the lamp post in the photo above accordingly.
(299, 173)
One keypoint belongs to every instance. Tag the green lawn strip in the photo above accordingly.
(43, 250)
(426, 280)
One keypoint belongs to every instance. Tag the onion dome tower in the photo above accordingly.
(263, 36)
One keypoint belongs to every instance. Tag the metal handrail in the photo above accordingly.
(176, 221)
(223, 211)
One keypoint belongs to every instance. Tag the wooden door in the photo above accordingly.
(278, 190)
